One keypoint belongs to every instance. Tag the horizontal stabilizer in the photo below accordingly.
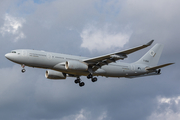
(149, 74)
(160, 66)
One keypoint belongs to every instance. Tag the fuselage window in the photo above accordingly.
(13, 52)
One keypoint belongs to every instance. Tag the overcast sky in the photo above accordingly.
(89, 28)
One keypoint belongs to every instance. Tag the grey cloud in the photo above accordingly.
(32, 96)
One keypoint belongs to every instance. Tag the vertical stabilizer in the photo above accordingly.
(151, 58)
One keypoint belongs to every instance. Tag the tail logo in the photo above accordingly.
(152, 53)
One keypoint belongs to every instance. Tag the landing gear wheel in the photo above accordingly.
(81, 84)
(23, 70)
(89, 76)
(77, 81)
(94, 79)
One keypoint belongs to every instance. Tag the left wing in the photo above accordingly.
(99, 61)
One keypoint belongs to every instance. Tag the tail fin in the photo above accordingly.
(151, 58)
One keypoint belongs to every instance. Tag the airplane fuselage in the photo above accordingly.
(63, 65)
(56, 61)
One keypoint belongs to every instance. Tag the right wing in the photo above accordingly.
(99, 61)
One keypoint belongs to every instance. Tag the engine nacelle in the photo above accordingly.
(76, 65)
(51, 74)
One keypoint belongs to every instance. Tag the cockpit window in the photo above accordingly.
(13, 51)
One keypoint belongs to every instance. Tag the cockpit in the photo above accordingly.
(13, 51)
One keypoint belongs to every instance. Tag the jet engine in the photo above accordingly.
(76, 65)
(51, 74)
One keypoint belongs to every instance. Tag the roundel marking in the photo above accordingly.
(152, 53)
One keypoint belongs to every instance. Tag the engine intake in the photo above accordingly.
(50, 74)
(76, 65)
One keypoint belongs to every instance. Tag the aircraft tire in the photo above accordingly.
(81, 84)
(89, 76)
(76, 81)
(94, 79)
(23, 70)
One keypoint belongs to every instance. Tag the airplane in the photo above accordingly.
(63, 65)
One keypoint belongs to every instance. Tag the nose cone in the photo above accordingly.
(8, 56)
(13, 57)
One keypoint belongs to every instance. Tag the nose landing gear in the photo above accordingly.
(23, 70)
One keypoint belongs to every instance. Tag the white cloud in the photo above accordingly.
(86, 115)
(103, 116)
(81, 115)
(100, 39)
(13, 26)
(172, 100)
(167, 109)
(168, 114)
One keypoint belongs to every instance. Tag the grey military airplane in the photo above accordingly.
(63, 65)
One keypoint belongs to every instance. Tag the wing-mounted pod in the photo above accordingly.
(51, 74)
(76, 65)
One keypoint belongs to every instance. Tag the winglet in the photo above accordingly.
(149, 43)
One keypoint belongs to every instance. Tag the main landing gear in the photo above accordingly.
(23, 70)
(78, 80)
(93, 79)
